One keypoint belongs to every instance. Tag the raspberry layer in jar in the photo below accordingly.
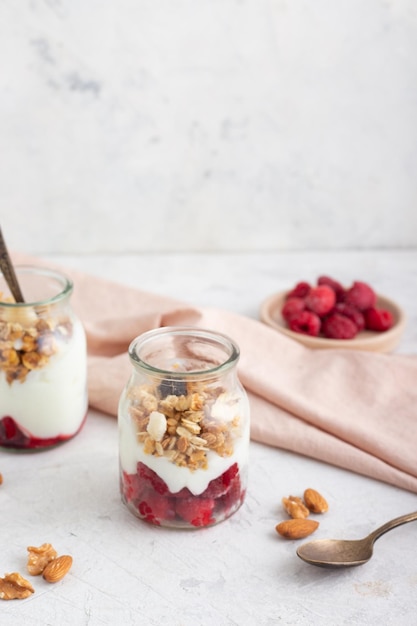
(43, 364)
(184, 435)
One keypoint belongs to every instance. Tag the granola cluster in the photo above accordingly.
(184, 428)
(27, 341)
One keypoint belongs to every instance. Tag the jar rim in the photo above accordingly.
(192, 331)
(66, 286)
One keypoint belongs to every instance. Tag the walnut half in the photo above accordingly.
(15, 587)
(38, 558)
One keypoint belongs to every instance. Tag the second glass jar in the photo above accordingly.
(43, 362)
(183, 429)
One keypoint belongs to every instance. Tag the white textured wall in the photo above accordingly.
(208, 124)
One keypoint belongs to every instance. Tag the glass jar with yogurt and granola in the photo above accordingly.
(43, 362)
(183, 429)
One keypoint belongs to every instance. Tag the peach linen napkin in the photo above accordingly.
(354, 410)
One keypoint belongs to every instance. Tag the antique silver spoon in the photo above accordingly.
(347, 553)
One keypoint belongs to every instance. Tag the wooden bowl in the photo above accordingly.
(386, 341)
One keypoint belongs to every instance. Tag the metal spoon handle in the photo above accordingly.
(403, 519)
(6, 266)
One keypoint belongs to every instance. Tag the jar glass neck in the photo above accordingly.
(177, 352)
(40, 287)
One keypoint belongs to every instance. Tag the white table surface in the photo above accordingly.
(239, 573)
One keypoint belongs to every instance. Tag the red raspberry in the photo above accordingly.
(334, 284)
(352, 313)
(320, 300)
(292, 306)
(132, 486)
(154, 507)
(11, 435)
(219, 486)
(305, 322)
(300, 290)
(378, 319)
(196, 511)
(147, 474)
(234, 496)
(360, 295)
(337, 326)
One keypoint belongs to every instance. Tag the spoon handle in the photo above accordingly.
(6, 266)
(403, 519)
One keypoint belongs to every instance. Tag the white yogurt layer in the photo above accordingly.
(176, 478)
(52, 401)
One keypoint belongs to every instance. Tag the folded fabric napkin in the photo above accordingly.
(355, 410)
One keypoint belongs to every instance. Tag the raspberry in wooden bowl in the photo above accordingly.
(327, 316)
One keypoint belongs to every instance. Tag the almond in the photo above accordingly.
(315, 501)
(295, 507)
(296, 528)
(57, 569)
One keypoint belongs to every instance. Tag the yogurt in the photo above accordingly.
(52, 401)
(177, 478)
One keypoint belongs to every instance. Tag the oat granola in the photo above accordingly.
(183, 427)
(28, 340)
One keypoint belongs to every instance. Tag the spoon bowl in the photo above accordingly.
(347, 553)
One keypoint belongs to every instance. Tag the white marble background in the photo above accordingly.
(209, 125)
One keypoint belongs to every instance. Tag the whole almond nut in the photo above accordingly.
(296, 528)
(295, 507)
(315, 501)
(57, 569)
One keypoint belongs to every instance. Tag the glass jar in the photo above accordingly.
(43, 362)
(183, 429)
